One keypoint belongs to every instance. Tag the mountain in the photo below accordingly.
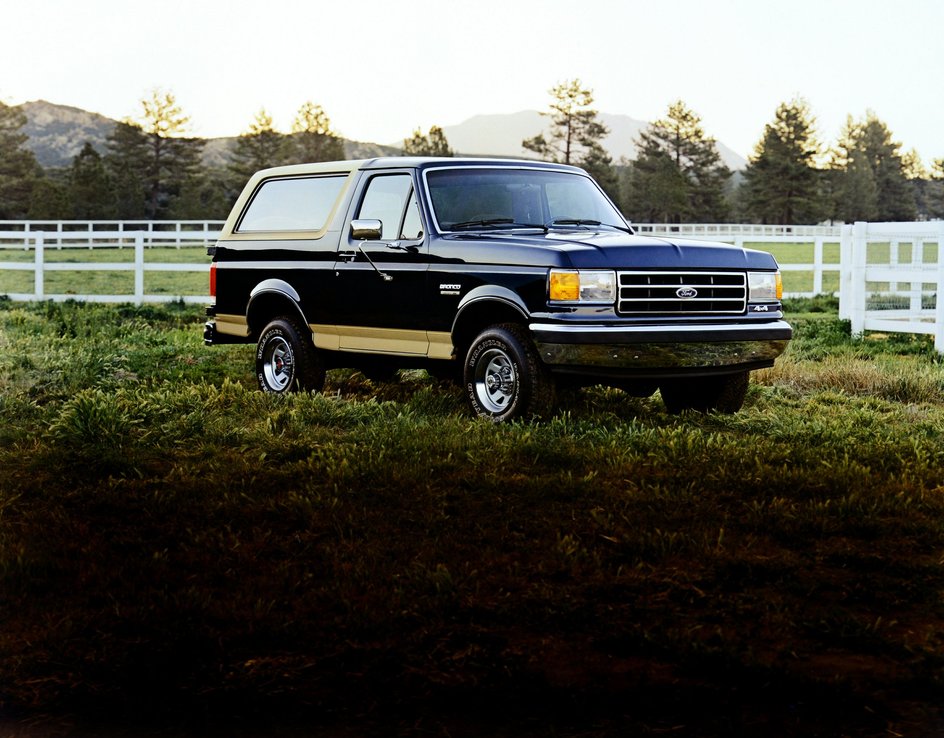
(502, 134)
(58, 132)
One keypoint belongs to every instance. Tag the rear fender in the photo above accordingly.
(270, 299)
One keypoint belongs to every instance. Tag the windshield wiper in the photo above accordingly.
(493, 223)
(585, 222)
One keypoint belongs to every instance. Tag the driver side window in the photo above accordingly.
(390, 198)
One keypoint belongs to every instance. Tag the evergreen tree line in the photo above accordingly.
(152, 170)
(791, 177)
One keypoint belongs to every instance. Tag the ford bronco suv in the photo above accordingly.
(514, 277)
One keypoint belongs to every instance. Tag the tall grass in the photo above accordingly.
(373, 560)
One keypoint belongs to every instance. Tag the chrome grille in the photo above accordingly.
(682, 293)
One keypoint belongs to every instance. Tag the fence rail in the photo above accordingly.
(729, 231)
(893, 278)
(888, 275)
(40, 238)
(73, 231)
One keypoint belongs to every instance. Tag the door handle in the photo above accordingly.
(347, 255)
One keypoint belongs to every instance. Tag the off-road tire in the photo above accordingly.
(504, 378)
(287, 360)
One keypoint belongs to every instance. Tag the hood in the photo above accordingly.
(585, 249)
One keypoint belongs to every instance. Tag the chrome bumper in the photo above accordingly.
(645, 348)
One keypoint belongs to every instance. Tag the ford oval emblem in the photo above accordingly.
(686, 293)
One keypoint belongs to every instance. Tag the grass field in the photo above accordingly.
(181, 555)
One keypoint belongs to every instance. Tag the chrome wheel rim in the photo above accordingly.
(495, 381)
(278, 364)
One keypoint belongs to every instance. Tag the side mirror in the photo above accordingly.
(366, 229)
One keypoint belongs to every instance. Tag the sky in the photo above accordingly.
(381, 68)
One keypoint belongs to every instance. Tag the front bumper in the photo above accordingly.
(648, 350)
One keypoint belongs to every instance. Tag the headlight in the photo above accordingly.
(765, 286)
(581, 286)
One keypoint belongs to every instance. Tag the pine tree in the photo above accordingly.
(313, 139)
(599, 165)
(936, 190)
(432, 144)
(49, 198)
(89, 186)
(868, 145)
(260, 147)
(575, 136)
(126, 160)
(920, 181)
(655, 190)
(782, 184)
(172, 158)
(858, 190)
(19, 169)
(204, 196)
(575, 131)
(695, 190)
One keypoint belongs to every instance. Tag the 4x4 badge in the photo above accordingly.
(686, 293)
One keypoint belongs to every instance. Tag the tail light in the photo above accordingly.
(213, 279)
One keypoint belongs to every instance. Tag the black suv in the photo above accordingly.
(514, 277)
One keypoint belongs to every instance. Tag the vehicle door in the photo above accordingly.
(381, 280)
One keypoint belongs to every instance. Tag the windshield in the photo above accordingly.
(480, 198)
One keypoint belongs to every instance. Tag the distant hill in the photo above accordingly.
(502, 134)
(58, 132)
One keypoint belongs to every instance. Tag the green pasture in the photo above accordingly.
(183, 555)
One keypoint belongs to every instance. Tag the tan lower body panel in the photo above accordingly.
(232, 325)
(433, 344)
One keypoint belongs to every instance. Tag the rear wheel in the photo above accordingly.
(504, 377)
(287, 360)
(724, 393)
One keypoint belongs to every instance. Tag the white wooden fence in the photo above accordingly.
(893, 278)
(889, 274)
(41, 237)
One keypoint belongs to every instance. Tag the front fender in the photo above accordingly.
(483, 306)
(492, 293)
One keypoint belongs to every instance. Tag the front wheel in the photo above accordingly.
(505, 378)
(286, 359)
(723, 393)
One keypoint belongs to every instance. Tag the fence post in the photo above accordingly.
(939, 297)
(859, 295)
(39, 284)
(818, 265)
(917, 260)
(893, 254)
(845, 272)
(138, 268)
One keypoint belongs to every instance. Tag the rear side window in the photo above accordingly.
(293, 204)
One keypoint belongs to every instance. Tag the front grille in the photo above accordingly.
(682, 293)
